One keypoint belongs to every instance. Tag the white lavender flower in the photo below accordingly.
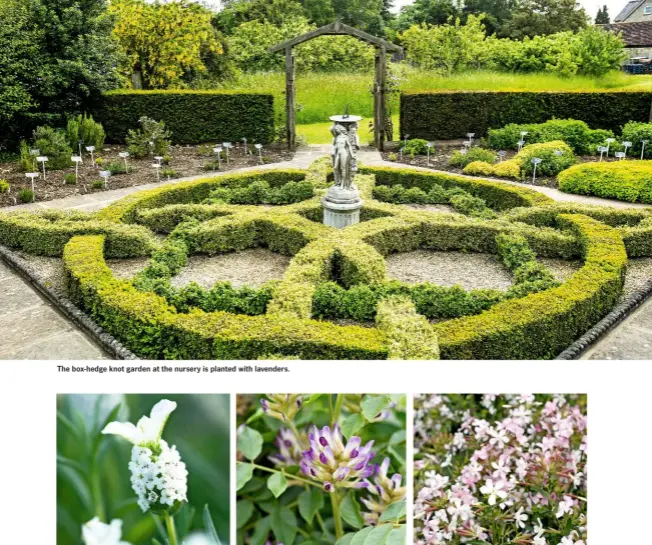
(158, 476)
(95, 532)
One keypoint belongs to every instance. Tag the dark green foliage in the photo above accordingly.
(260, 192)
(514, 250)
(54, 145)
(116, 167)
(192, 117)
(416, 146)
(70, 179)
(84, 128)
(151, 138)
(471, 206)
(460, 159)
(551, 163)
(26, 195)
(635, 132)
(449, 115)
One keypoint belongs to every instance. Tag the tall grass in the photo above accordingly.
(320, 95)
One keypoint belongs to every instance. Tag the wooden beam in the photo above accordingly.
(379, 97)
(337, 29)
(290, 100)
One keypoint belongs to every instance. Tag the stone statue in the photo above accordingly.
(343, 157)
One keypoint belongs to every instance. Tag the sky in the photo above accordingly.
(591, 6)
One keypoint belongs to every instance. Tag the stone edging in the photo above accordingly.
(608, 323)
(107, 342)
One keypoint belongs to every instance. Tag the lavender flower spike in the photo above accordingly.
(330, 461)
(283, 407)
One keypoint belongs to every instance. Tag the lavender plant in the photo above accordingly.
(500, 469)
(321, 469)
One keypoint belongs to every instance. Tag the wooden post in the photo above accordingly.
(290, 98)
(379, 98)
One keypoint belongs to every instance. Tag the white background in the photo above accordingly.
(619, 474)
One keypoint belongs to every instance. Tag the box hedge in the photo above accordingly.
(192, 117)
(445, 115)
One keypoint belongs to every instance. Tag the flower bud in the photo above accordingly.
(384, 490)
(289, 450)
(283, 407)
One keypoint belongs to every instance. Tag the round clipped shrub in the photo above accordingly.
(508, 169)
(629, 181)
(551, 163)
(461, 159)
(479, 168)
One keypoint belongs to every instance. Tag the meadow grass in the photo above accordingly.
(318, 133)
(320, 95)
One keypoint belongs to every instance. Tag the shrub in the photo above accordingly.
(260, 192)
(27, 160)
(70, 178)
(461, 159)
(98, 184)
(576, 134)
(514, 250)
(193, 117)
(84, 128)
(479, 168)
(26, 195)
(116, 167)
(551, 163)
(53, 144)
(634, 132)
(151, 138)
(629, 181)
(508, 169)
(416, 146)
(448, 115)
(169, 173)
(471, 206)
(4, 186)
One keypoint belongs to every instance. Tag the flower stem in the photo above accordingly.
(337, 517)
(338, 409)
(172, 531)
(293, 477)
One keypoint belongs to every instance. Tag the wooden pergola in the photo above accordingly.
(338, 29)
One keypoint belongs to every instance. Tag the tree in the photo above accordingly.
(430, 12)
(602, 18)
(543, 17)
(56, 58)
(275, 12)
(363, 14)
(170, 44)
(496, 12)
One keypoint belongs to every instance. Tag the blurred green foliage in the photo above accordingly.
(92, 469)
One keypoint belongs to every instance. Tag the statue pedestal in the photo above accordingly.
(341, 207)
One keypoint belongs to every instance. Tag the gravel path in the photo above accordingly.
(126, 269)
(445, 208)
(471, 271)
(246, 268)
(561, 269)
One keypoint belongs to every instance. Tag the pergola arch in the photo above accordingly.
(338, 29)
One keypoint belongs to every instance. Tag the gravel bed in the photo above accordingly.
(561, 269)
(246, 268)
(48, 270)
(443, 208)
(639, 271)
(470, 270)
(126, 269)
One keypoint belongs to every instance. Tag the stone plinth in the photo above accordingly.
(341, 207)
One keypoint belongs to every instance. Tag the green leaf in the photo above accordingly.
(350, 510)
(352, 424)
(345, 539)
(397, 536)
(397, 437)
(359, 537)
(378, 535)
(394, 512)
(261, 531)
(243, 511)
(397, 398)
(243, 473)
(312, 398)
(372, 406)
(250, 443)
(210, 527)
(284, 525)
(310, 502)
(156, 541)
(277, 483)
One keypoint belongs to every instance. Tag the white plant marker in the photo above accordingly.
(627, 145)
(157, 167)
(467, 146)
(79, 145)
(470, 136)
(536, 161)
(609, 141)
(520, 143)
(501, 155)
(643, 142)
(429, 146)
(558, 152)
(91, 149)
(620, 155)
(259, 147)
(227, 146)
(159, 159)
(602, 150)
(105, 174)
(405, 139)
(124, 155)
(76, 159)
(151, 148)
(218, 151)
(34, 153)
(246, 147)
(31, 176)
(42, 159)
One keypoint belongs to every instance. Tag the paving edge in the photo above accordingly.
(616, 316)
(107, 342)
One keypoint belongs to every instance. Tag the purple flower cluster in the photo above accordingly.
(283, 407)
(384, 490)
(337, 465)
(289, 449)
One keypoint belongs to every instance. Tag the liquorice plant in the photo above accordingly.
(321, 469)
(500, 469)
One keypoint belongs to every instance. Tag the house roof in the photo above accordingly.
(634, 34)
(628, 10)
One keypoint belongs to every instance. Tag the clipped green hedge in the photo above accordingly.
(191, 116)
(543, 324)
(445, 115)
(152, 328)
(629, 181)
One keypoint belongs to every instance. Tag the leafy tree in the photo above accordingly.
(542, 17)
(496, 12)
(275, 12)
(597, 51)
(363, 14)
(602, 18)
(431, 12)
(169, 43)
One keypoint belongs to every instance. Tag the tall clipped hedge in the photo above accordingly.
(192, 116)
(452, 114)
